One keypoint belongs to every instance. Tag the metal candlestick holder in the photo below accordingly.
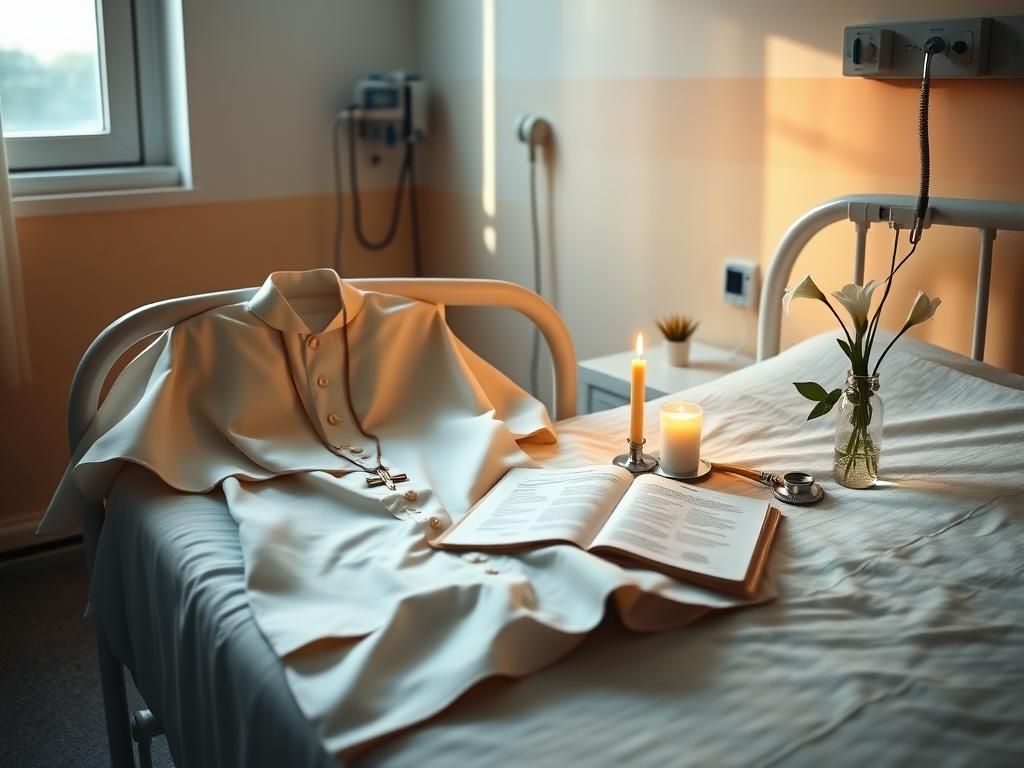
(636, 461)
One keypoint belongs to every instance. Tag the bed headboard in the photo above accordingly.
(988, 217)
(120, 335)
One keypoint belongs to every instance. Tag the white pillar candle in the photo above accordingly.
(680, 437)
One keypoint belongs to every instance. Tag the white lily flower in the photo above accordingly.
(857, 300)
(923, 309)
(805, 289)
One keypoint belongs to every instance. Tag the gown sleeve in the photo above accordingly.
(157, 415)
(524, 416)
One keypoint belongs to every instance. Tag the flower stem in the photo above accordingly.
(841, 323)
(896, 338)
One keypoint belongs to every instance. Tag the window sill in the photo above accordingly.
(92, 189)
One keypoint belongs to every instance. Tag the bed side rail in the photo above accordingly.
(120, 335)
(988, 217)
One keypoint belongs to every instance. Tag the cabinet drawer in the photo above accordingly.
(599, 399)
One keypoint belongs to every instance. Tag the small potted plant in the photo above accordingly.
(677, 330)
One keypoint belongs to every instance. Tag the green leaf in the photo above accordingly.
(851, 352)
(810, 390)
(826, 404)
(846, 348)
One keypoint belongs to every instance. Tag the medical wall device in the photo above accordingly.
(391, 107)
(387, 110)
(740, 283)
(971, 47)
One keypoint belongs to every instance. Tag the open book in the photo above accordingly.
(711, 539)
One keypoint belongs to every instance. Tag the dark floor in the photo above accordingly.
(51, 708)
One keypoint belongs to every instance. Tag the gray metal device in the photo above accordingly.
(391, 107)
(741, 281)
(974, 47)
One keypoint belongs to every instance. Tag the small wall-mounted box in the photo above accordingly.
(741, 283)
(977, 47)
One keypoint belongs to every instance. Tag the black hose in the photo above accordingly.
(537, 270)
(931, 47)
(357, 211)
(338, 210)
(414, 214)
(406, 175)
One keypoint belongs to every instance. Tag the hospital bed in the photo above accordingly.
(898, 635)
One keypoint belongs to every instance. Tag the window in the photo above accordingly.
(67, 83)
(83, 94)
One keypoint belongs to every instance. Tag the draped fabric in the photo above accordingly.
(271, 403)
(14, 360)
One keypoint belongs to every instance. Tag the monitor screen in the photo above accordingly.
(380, 98)
(734, 282)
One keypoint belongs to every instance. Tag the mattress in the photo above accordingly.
(898, 636)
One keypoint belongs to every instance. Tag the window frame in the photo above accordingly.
(121, 144)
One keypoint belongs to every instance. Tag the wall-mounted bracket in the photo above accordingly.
(975, 47)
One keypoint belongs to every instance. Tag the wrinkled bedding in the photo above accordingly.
(898, 636)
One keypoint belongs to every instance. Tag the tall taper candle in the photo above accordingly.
(636, 393)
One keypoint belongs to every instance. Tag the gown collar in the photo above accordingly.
(306, 302)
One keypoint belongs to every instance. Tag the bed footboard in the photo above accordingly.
(863, 210)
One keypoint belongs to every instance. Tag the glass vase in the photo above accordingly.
(858, 433)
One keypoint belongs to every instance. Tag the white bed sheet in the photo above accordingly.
(898, 636)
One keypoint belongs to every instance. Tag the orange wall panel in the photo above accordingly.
(82, 271)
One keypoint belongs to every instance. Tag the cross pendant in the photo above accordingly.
(381, 476)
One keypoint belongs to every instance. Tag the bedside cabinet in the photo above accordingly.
(604, 381)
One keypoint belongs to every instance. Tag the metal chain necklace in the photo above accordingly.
(380, 475)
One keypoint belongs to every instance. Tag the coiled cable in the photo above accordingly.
(537, 283)
(406, 176)
(932, 46)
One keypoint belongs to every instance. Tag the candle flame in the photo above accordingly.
(639, 345)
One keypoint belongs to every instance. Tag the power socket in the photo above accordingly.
(974, 47)
(742, 283)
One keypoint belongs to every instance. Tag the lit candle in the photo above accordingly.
(636, 393)
(680, 437)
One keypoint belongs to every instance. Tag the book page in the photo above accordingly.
(532, 505)
(686, 527)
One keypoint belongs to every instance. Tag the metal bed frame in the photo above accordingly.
(122, 334)
(864, 210)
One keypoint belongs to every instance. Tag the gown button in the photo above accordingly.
(434, 522)
(411, 495)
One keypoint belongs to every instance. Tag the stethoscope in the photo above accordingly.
(791, 488)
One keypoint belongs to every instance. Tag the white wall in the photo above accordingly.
(265, 79)
(687, 133)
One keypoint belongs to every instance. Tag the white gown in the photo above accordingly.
(377, 630)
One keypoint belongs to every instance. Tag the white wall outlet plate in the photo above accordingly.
(867, 50)
(741, 283)
(974, 47)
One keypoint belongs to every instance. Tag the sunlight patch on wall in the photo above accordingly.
(786, 57)
(487, 84)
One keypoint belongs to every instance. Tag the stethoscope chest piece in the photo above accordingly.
(798, 488)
